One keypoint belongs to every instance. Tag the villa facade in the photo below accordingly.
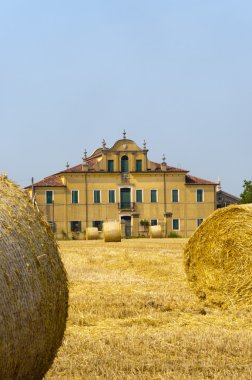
(121, 183)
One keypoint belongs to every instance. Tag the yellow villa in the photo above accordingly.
(121, 183)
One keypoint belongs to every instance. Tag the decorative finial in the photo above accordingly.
(163, 160)
(67, 165)
(144, 145)
(103, 143)
(124, 134)
(85, 155)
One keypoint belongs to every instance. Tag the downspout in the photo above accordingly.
(165, 209)
(66, 208)
(86, 196)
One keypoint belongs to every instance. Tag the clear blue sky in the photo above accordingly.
(176, 73)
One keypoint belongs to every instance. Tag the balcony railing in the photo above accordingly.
(126, 205)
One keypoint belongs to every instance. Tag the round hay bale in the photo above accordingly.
(92, 233)
(111, 231)
(155, 232)
(34, 292)
(218, 257)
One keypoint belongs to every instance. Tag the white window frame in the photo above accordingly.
(178, 224)
(142, 196)
(203, 195)
(72, 197)
(111, 203)
(94, 197)
(172, 196)
(126, 187)
(46, 197)
(156, 195)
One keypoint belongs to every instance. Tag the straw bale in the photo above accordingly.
(218, 257)
(34, 292)
(155, 231)
(92, 233)
(112, 231)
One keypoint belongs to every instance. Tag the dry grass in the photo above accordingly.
(133, 316)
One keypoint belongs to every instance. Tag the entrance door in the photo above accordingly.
(127, 221)
(125, 198)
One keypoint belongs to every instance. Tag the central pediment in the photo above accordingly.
(125, 145)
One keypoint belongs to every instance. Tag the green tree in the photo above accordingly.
(246, 195)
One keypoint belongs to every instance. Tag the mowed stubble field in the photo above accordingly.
(132, 315)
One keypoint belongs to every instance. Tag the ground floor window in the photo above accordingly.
(98, 224)
(175, 224)
(153, 222)
(199, 221)
(75, 226)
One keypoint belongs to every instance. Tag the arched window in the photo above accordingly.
(125, 164)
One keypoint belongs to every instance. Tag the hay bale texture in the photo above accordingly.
(92, 233)
(155, 232)
(218, 257)
(112, 231)
(33, 289)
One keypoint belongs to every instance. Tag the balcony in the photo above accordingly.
(126, 206)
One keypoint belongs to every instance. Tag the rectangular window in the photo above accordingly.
(175, 224)
(75, 196)
(153, 222)
(138, 165)
(175, 195)
(110, 166)
(199, 221)
(111, 196)
(153, 196)
(49, 197)
(97, 196)
(139, 196)
(97, 224)
(200, 195)
(75, 226)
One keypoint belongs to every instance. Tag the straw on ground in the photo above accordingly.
(133, 316)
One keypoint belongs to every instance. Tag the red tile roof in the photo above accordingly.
(74, 169)
(78, 168)
(55, 180)
(51, 181)
(191, 180)
(176, 170)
